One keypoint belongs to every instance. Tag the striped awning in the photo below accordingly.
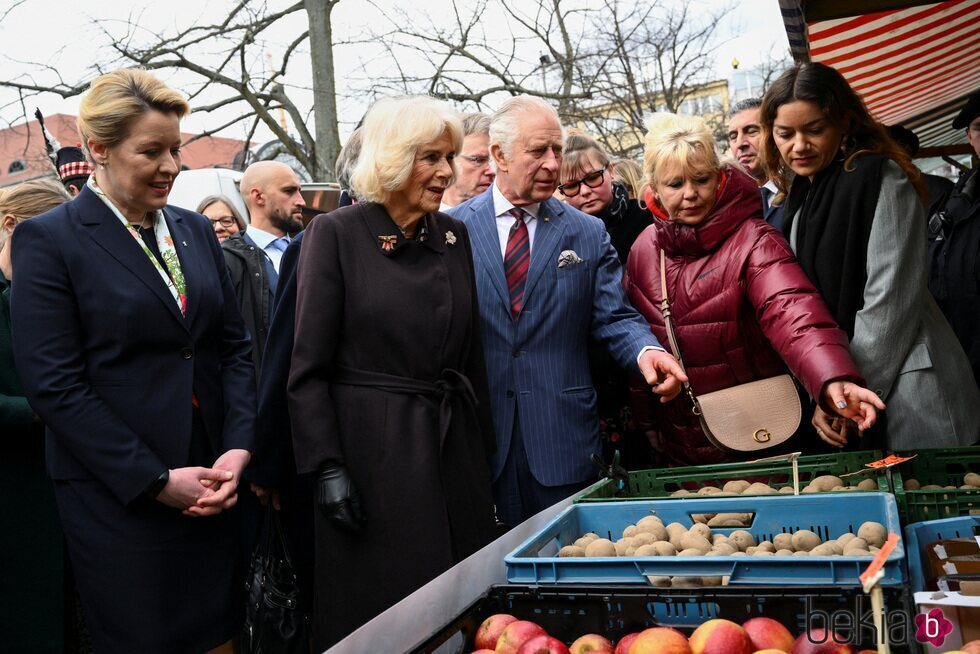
(913, 65)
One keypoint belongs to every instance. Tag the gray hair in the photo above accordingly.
(347, 159)
(505, 123)
(211, 199)
(744, 105)
(476, 124)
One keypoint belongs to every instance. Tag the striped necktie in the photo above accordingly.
(517, 259)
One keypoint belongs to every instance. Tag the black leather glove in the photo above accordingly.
(337, 498)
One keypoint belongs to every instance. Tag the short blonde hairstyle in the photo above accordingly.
(684, 141)
(29, 199)
(630, 174)
(393, 131)
(116, 99)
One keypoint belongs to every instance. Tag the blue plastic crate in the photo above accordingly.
(920, 534)
(536, 561)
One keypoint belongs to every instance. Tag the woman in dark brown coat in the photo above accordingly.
(387, 389)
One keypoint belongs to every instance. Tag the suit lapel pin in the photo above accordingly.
(387, 242)
(546, 219)
(184, 243)
(450, 238)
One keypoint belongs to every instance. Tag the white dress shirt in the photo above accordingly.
(505, 221)
(272, 245)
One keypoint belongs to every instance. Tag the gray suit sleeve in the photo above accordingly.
(886, 328)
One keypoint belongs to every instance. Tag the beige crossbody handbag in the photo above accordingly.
(744, 418)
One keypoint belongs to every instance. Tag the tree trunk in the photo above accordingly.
(324, 92)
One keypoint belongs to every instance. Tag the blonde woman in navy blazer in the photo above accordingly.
(131, 348)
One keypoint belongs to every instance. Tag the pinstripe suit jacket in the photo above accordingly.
(538, 365)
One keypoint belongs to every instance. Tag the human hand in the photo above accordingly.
(831, 429)
(853, 402)
(186, 485)
(663, 373)
(221, 495)
(338, 499)
(265, 494)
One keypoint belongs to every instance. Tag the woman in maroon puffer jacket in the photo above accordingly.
(743, 309)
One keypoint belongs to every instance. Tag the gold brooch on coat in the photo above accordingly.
(387, 242)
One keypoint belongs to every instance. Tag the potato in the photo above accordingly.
(701, 518)
(664, 548)
(685, 582)
(630, 531)
(911, 484)
(931, 487)
(873, 532)
(809, 489)
(805, 540)
(834, 546)
(659, 581)
(742, 539)
(676, 541)
(646, 550)
(786, 490)
(758, 488)
(759, 552)
(591, 535)
(967, 487)
(630, 551)
(735, 486)
(857, 552)
(783, 541)
(855, 544)
(601, 547)
(837, 489)
(701, 530)
(691, 551)
(648, 521)
(972, 479)
(695, 541)
(657, 531)
(730, 520)
(643, 538)
(844, 538)
(571, 550)
(675, 529)
(868, 484)
(711, 581)
(823, 550)
(681, 492)
(801, 553)
(784, 552)
(583, 542)
(767, 546)
(622, 545)
(826, 482)
(708, 490)
(723, 549)
(751, 550)
(739, 554)
(718, 538)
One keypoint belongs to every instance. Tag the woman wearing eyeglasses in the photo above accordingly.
(223, 216)
(589, 186)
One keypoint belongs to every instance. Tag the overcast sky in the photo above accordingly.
(62, 34)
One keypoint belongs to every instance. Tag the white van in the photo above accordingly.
(192, 186)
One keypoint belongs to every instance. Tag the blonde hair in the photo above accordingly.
(684, 141)
(393, 131)
(630, 174)
(29, 199)
(116, 99)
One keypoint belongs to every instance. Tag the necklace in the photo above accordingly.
(405, 232)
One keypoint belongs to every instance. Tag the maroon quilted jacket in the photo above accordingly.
(742, 307)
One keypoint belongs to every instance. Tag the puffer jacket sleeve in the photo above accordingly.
(795, 318)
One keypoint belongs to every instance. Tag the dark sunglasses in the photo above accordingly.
(592, 180)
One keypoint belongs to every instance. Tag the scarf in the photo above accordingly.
(835, 213)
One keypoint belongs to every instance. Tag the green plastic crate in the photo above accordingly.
(660, 483)
(942, 467)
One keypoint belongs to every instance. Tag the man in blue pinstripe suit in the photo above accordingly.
(548, 279)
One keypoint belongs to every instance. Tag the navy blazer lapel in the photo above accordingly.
(483, 232)
(547, 235)
(106, 230)
(192, 255)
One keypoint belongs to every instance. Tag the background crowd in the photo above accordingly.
(443, 357)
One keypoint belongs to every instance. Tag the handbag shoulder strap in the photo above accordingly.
(671, 337)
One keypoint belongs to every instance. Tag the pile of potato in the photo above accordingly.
(821, 484)
(971, 481)
(651, 537)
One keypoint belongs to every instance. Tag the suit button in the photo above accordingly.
(187, 353)
(510, 393)
(879, 392)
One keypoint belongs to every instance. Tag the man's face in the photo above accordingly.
(475, 174)
(973, 134)
(283, 201)
(744, 135)
(529, 173)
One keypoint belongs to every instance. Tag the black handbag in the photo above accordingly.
(275, 623)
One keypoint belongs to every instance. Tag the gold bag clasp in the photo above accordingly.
(761, 436)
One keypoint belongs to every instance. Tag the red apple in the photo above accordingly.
(543, 644)
(820, 641)
(766, 633)
(591, 644)
(623, 646)
(660, 640)
(516, 634)
(490, 630)
(720, 637)
(484, 651)
(972, 647)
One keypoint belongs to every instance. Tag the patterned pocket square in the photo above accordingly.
(568, 258)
